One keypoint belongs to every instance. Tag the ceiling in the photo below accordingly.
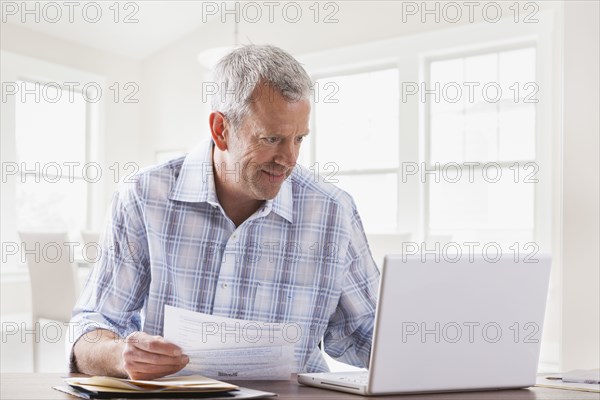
(154, 24)
(151, 24)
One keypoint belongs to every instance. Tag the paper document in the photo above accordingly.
(555, 381)
(231, 348)
(590, 376)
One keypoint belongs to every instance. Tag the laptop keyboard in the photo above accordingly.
(357, 379)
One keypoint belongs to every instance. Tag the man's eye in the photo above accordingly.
(271, 140)
(301, 138)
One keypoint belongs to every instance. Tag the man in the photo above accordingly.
(234, 229)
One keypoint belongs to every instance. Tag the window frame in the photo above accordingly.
(408, 54)
(345, 71)
(15, 68)
(88, 150)
(524, 43)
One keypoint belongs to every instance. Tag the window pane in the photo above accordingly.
(517, 132)
(448, 75)
(48, 205)
(49, 130)
(481, 133)
(360, 131)
(447, 137)
(50, 139)
(483, 126)
(481, 69)
(481, 204)
(376, 199)
(516, 67)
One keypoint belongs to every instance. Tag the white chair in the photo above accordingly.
(53, 278)
(90, 246)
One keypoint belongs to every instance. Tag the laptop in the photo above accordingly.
(445, 325)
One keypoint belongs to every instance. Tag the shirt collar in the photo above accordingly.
(282, 204)
(196, 184)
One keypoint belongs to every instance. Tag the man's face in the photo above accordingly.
(264, 149)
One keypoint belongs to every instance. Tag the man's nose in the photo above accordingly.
(287, 154)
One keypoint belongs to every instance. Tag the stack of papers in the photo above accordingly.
(193, 386)
(590, 376)
(228, 348)
(179, 384)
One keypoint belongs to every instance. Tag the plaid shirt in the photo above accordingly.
(301, 258)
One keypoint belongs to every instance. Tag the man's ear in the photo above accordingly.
(219, 130)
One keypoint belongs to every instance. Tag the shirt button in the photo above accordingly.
(224, 285)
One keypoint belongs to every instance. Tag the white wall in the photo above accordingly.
(581, 177)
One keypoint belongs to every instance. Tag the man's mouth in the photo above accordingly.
(275, 176)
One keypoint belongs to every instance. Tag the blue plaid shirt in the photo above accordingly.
(301, 258)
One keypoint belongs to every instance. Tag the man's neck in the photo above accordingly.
(237, 209)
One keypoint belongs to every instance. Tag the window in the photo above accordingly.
(360, 154)
(482, 146)
(515, 134)
(480, 156)
(52, 151)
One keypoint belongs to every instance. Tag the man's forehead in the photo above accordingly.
(264, 126)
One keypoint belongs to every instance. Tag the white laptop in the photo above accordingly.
(445, 326)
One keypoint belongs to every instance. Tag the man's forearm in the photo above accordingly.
(100, 352)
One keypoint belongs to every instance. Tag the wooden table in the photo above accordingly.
(16, 386)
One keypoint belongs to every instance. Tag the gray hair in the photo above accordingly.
(239, 72)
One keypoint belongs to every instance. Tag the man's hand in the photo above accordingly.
(139, 356)
(150, 357)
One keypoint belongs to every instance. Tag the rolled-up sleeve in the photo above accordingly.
(117, 287)
(349, 334)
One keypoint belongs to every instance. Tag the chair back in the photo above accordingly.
(91, 246)
(52, 273)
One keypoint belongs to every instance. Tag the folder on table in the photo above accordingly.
(197, 386)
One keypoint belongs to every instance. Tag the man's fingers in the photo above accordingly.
(147, 368)
(154, 368)
(150, 371)
(153, 344)
(149, 357)
(135, 354)
(140, 364)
